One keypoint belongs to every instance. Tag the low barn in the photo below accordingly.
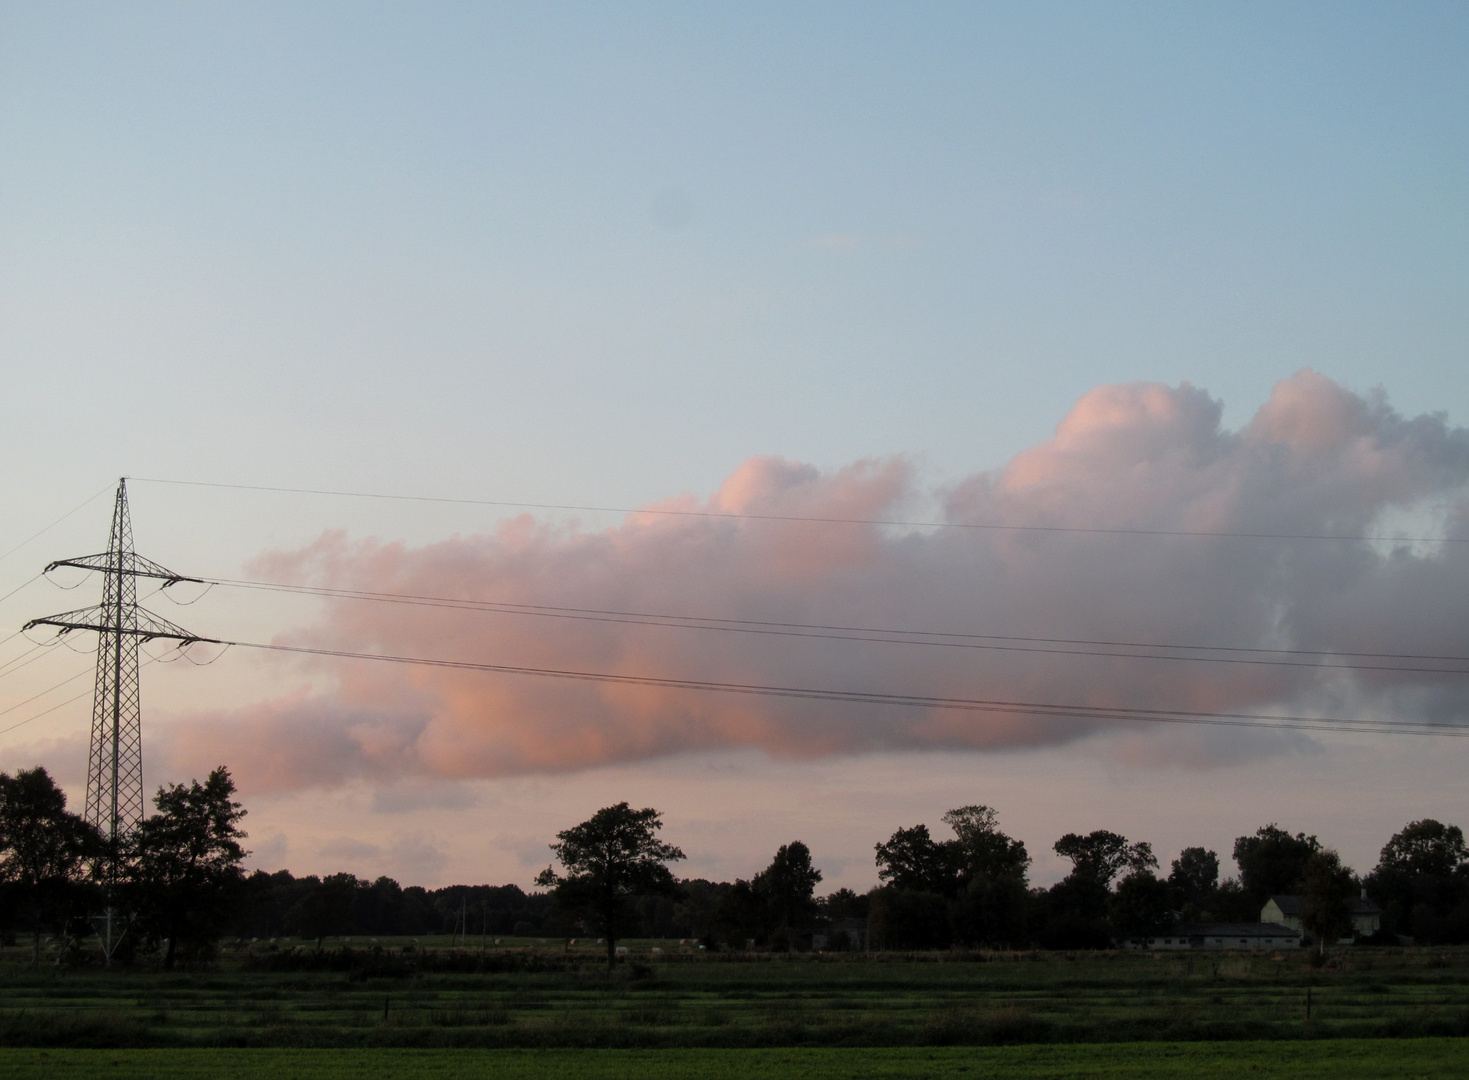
(841, 934)
(1259, 935)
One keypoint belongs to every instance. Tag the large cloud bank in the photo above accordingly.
(1316, 459)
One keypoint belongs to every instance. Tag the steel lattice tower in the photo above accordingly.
(115, 763)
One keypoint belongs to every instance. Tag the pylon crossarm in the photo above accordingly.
(130, 564)
(149, 627)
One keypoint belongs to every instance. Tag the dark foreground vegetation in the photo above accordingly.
(398, 994)
(1321, 1059)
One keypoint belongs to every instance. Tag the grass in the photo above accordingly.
(1398, 1059)
(537, 998)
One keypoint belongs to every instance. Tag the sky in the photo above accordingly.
(1125, 266)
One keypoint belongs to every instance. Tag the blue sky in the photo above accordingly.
(578, 237)
(605, 253)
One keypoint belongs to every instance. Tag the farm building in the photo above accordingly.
(1261, 935)
(1366, 916)
(840, 934)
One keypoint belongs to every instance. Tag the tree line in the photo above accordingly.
(972, 888)
(172, 881)
(177, 886)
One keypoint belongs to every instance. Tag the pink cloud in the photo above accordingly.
(1316, 459)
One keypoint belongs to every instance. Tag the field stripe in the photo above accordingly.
(1326, 1058)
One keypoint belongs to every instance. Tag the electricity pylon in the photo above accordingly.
(115, 763)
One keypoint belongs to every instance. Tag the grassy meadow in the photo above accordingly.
(1324, 1059)
(524, 994)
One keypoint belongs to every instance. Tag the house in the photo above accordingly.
(840, 934)
(1259, 935)
(1366, 916)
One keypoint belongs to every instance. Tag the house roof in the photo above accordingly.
(1293, 905)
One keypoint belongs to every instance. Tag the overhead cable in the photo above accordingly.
(819, 519)
(43, 693)
(978, 705)
(53, 525)
(21, 586)
(884, 635)
(10, 667)
(59, 704)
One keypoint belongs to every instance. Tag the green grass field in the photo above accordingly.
(546, 999)
(1398, 1059)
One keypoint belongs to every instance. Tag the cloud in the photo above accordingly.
(407, 796)
(270, 849)
(65, 758)
(346, 847)
(410, 857)
(1315, 460)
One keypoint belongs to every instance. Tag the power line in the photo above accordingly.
(834, 632)
(53, 525)
(46, 712)
(17, 589)
(43, 693)
(715, 514)
(981, 705)
(10, 667)
(61, 704)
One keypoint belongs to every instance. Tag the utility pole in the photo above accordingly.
(115, 761)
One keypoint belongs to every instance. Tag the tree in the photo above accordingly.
(44, 851)
(980, 848)
(1327, 888)
(1425, 847)
(843, 904)
(738, 917)
(912, 860)
(1422, 882)
(991, 910)
(1100, 856)
(908, 919)
(981, 873)
(1195, 876)
(788, 887)
(1074, 912)
(1140, 906)
(184, 874)
(327, 908)
(1230, 903)
(612, 857)
(990, 867)
(1272, 861)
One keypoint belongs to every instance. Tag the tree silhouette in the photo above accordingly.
(612, 857)
(1425, 847)
(1100, 856)
(1327, 888)
(980, 849)
(911, 859)
(184, 874)
(1272, 861)
(1195, 876)
(43, 851)
(787, 887)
